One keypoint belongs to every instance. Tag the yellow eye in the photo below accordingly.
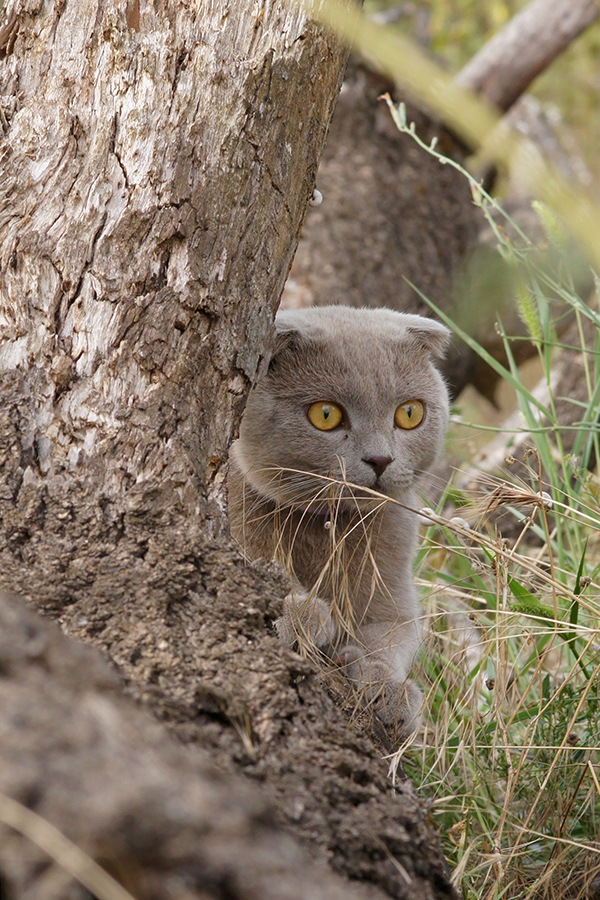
(325, 416)
(410, 414)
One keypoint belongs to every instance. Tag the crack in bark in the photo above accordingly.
(279, 191)
(180, 67)
(115, 153)
(88, 263)
(8, 35)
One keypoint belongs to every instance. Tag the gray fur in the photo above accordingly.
(351, 553)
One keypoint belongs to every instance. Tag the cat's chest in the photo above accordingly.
(359, 554)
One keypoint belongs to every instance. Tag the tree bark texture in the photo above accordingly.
(157, 161)
(138, 283)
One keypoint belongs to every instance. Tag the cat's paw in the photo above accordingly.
(306, 620)
(397, 703)
(400, 705)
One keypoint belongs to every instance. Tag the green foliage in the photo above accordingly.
(510, 755)
(460, 27)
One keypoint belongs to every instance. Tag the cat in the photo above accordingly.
(350, 412)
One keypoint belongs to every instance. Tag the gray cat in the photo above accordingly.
(351, 412)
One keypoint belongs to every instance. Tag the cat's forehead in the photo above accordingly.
(363, 368)
(362, 356)
(363, 329)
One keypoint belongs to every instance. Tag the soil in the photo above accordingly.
(187, 628)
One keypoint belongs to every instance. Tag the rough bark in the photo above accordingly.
(138, 283)
(507, 64)
(156, 166)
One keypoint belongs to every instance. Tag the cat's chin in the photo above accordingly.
(346, 503)
(340, 506)
(317, 497)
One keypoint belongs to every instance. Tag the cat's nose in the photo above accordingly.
(378, 463)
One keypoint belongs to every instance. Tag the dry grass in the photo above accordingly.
(509, 752)
(509, 749)
(59, 848)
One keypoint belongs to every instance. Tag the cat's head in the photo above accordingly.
(349, 393)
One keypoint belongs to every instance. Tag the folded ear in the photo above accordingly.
(428, 333)
(285, 337)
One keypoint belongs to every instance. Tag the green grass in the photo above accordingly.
(510, 754)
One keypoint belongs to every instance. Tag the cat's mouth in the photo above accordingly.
(379, 486)
(325, 496)
(351, 502)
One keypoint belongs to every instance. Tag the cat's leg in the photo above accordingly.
(379, 662)
(306, 619)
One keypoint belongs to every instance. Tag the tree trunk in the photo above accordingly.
(156, 167)
(138, 281)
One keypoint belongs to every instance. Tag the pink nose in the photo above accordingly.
(378, 463)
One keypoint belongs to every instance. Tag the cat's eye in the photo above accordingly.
(410, 414)
(325, 416)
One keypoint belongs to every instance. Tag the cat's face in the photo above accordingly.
(350, 394)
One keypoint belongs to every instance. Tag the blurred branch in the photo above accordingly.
(508, 63)
(474, 120)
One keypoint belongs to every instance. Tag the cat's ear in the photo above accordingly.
(285, 338)
(429, 334)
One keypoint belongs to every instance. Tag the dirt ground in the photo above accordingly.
(251, 784)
